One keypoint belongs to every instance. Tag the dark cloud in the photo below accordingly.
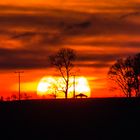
(108, 44)
(101, 57)
(95, 65)
(22, 35)
(130, 14)
(34, 59)
(42, 33)
(25, 59)
(71, 23)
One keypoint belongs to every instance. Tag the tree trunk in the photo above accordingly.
(67, 87)
(66, 95)
(129, 93)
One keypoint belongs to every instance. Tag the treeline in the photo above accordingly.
(14, 97)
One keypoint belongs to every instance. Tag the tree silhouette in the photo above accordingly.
(26, 96)
(136, 70)
(1, 99)
(14, 97)
(63, 61)
(121, 74)
(126, 74)
(8, 98)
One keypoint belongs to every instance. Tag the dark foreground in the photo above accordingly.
(97, 119)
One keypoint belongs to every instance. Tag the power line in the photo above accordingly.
(19, 72)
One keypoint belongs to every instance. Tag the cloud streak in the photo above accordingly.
(35, 36)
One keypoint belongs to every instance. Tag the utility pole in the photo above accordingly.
(19, 72)
(74, 86)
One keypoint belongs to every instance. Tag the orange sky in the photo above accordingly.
(99, 31)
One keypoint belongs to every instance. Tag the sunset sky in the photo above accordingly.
(100, 31)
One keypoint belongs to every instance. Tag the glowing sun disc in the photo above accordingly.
(54, 86)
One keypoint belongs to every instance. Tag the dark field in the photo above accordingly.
(97, 119)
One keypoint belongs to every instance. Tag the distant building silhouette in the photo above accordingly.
(81, 95)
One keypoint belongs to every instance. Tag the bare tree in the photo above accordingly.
(121, 73)
(126, 73)
(135, 65)
(63, 61)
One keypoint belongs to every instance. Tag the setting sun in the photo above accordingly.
(49, 86)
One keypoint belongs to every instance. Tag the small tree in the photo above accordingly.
(14, 97)
(1, 99)
(63, 61)
(26, 96)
